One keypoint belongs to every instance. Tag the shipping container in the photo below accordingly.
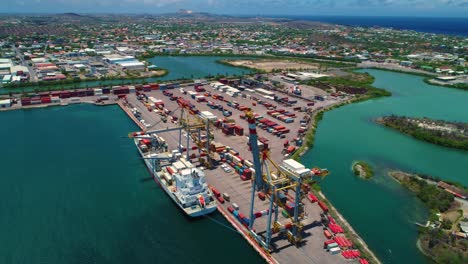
(220, 199)
(235, 206)
(328, 242)
(332, 245)
(335, 251)
(327, 234)
(323, 206)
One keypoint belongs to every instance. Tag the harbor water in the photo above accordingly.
(381, 210)
(73, 190)
(179, 67)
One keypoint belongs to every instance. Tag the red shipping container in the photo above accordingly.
(328, 242)
(323, 206)
(230, 209)
(312, 198)
(220, 199)
(215, 191)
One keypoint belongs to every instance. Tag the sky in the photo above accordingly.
(441, 8)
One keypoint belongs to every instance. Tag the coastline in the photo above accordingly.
(436, 228)
(58, 85)
(428, 76)
(308, 145)
(350, 230)
(421, 133)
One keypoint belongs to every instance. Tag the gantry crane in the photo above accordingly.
(274, 182)
(193, 127)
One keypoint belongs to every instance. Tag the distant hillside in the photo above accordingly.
(70, 14)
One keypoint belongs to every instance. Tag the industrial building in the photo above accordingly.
(126, 62)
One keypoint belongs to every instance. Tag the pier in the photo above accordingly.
(311, 249)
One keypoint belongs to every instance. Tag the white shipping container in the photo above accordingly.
(178, 165)
(55, 99)
(332, 245)
(335, 250)
(235, 206)
(97, 91)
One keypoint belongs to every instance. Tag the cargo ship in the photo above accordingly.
(180, 179)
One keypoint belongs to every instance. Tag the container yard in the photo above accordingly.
(238, 124)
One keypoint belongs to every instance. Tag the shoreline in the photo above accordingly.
(424, 232)
(351, 230)
(428, 76)
(425, 134)
(52, 85)
(308, 145)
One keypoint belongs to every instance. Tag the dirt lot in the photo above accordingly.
(270, 65)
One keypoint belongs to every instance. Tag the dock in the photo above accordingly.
(311, 250)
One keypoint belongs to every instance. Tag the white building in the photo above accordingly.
(5, 103)
(19, 70)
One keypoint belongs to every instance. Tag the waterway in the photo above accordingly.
(381, 210)
(73, 190)
(179, 67)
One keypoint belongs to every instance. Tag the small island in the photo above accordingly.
(442, 238)
(363, 170)
(439, 132)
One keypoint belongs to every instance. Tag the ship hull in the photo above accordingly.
(209, 208)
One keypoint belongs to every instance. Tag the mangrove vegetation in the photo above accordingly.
(439, 132)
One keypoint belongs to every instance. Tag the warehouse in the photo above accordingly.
(134, 65)
(19, 70)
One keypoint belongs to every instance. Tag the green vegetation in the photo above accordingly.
(317, 117)
(353, 83)
(437, 242)
(443, 133)
(363, 170)
(60, 85)
(443, 247)
(436, 199)
(462, 86)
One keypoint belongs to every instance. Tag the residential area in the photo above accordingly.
(78, 47)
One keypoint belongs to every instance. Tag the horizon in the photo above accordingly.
(233, 15)
(358, 8)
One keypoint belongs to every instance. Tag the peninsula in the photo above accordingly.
(439, 132)
(441, 238)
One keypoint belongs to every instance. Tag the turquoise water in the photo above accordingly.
(178, 66)
(380, 210)
(73, 190)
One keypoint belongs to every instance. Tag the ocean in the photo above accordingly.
(73, 190)
(438, 25)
